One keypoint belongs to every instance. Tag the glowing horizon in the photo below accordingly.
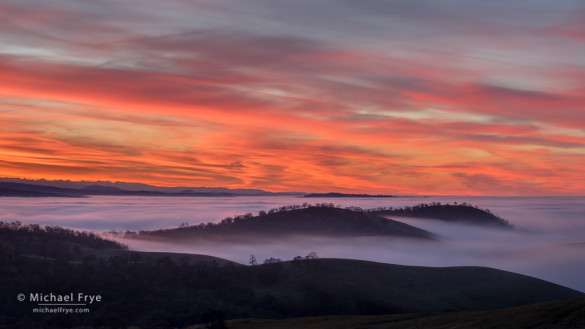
(401, 97)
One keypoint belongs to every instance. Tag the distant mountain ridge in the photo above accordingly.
(63, 188)
(30, 190)
(347, 195)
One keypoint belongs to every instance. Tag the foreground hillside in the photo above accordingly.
(562, 314)
(340, 286)
(314, 220)
(161, 290)
(173, 294)
(169, 290)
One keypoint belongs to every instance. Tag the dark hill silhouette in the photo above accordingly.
(112, 190)
(174, 290)
(177, 293)
(10, 189)
(38, 236)
(140, 189)
(30, 190)
(388, 288)
(322, 220)
(461, 213)
(99, 189)
(346, 195)
(560, 314)
(25, 194)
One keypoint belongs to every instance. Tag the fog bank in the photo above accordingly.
(540, 246)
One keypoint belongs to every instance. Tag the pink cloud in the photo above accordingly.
(148, 95)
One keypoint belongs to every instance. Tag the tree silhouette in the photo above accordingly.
(297, 260)
(312, 255)
(253, 261)
(272, 260)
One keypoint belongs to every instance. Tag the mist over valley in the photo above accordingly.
(546, 242)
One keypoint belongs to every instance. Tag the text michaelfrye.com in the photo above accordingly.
(70, 303)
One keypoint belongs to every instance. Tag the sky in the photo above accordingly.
(450, 97)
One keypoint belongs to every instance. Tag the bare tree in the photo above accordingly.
(253, 261)
(312, 255)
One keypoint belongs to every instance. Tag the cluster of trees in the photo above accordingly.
(224, 223)
(272, 260)
(407, 210)
(463, 212)
(304, 205)
(228, 221)
(53, 232)
(49, 241)
(426, 205)
(235, 219)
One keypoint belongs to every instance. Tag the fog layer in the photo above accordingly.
(540, 246)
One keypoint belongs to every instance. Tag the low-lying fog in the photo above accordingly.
(543, 244)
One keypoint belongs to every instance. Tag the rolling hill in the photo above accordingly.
(54, 243)
(175, 290)
(455, 213)
(363, 287)
(321, 220)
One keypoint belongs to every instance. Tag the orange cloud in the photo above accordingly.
(227, 105)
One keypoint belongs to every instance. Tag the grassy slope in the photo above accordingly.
(175, 257)
(371, 287)
(556, 314)
(144, 255)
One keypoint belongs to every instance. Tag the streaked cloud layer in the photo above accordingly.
(429, 97)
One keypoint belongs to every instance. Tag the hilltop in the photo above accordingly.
(313, 220)
(457, 213)
(34, 239)
(54, 243)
